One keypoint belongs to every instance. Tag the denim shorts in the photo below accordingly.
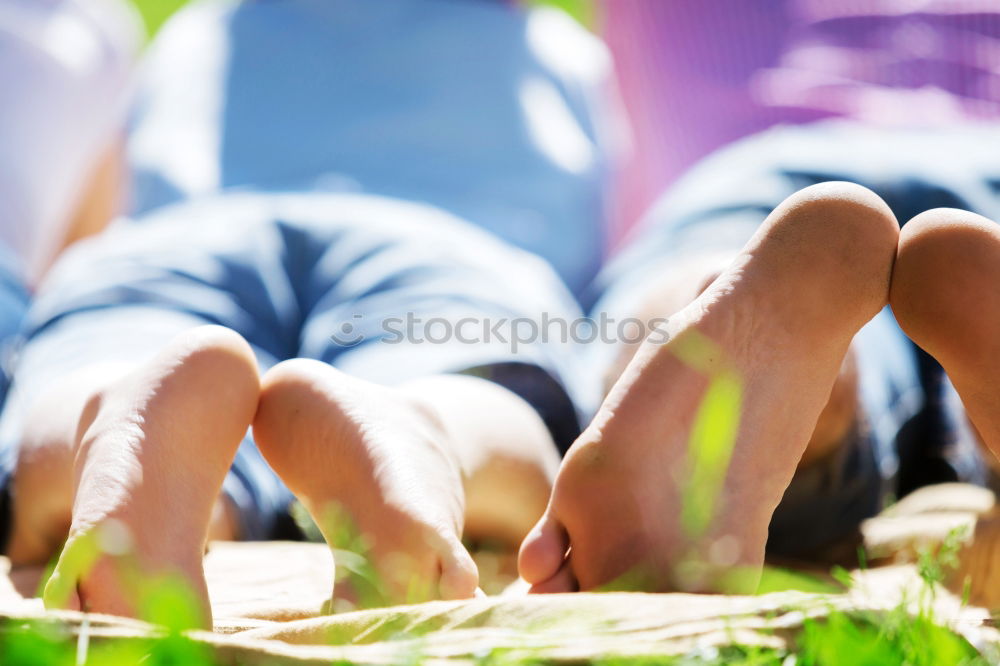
(318, 276)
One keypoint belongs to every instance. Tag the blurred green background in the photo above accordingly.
(156, 12)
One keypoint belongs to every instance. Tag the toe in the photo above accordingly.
(543, 551)
(459, 574)
(562, 581)
(77, 559)
(60, 593)
(73, 602)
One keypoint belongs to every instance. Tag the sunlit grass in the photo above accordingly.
(710, 449)
(894, 638)
(45, 643)
(860, 639)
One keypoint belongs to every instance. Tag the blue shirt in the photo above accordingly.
(493, 113)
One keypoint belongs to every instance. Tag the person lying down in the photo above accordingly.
(222, 351)
(145, 444)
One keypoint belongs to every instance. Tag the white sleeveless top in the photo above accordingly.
(64, 79)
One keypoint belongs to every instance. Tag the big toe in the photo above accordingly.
(60, 593)
(77, 559)
(543, 550)
(98, 590)
(459, 574)
(562, 581)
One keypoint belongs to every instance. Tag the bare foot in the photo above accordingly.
(687, 280)
(44, 478)
(763, 345)
(380, 455)
(154, 447)
(946, 297)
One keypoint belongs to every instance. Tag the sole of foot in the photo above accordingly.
(153, 451)
(675, 480)
(371, 466)
(946, 297)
